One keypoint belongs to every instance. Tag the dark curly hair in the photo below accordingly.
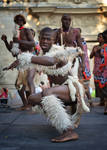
(17, 16)
(105, 36)
(64, 16)
(46, 30)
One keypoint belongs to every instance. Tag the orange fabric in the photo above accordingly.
(87, 78)
(105, 57)
(101, 85)
(19, 32)
(21, 28)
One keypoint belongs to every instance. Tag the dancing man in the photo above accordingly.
(23, 41)
(56, 63)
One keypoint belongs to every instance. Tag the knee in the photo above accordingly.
(31, 100)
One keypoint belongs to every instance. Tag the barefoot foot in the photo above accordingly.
(67, 136)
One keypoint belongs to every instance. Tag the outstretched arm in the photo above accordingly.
(44, 60)
(54, 58)
(12, 66)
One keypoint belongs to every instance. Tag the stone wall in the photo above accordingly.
(89, 15)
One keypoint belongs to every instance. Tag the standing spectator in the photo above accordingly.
(103, 68)
(86, 73)
(70, 37)
(97, 72)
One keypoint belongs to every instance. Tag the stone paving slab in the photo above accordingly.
(30, 119)
(21, 130)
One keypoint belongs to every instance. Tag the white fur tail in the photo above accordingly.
(81, 90)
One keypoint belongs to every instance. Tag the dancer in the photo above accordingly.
(103, 69)
(23, 41)
(52, 100)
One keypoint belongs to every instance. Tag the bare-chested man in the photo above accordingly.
(68, 36)
(26, 43)
(50, 98)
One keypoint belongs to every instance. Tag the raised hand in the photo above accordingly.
(4, 37)
(5, 68)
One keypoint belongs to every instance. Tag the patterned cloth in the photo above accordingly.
(100, 70)
(36, 48)
(86, 73)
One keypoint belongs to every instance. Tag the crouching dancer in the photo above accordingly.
(56, 63)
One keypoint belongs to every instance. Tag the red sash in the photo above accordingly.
(86, 77)
(21, 28)
(19, 31)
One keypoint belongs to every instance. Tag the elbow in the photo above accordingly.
(49, 61)
(52, 61)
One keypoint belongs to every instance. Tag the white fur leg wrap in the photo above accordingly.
(72, 90)
(81, 89)
(56, 113)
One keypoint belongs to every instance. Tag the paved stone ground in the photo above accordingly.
(22, 130)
